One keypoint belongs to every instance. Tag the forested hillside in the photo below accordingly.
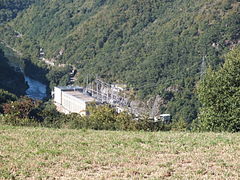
(9, 79)
(156, 47)
(10, 8)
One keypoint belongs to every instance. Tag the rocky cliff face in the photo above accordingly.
(155, 108)
(151, 107)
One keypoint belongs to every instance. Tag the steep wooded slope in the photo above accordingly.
(9, 79)
(10, 8)
(157, 47)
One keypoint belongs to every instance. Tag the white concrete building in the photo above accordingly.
(72, 100)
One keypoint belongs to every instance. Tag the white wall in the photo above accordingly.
(73, 104)
(57, 95)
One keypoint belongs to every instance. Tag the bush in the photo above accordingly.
(48, 116)
(21, 108)
(5, 97)
(102, 117)
(76, 121)
(28, 112)
(124, 121)
(180, 125)
(11, 119)
(106, 118)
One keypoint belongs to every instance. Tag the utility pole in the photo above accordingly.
(97, 88)
(101, 91)
(107, 94)
(87, 83)
(203, 66)
(92, 87)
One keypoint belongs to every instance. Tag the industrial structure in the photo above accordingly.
(72, 99)
(75, 99)
(166, 118)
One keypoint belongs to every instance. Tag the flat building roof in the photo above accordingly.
(165, 115)
(80, 96)
(70, 88)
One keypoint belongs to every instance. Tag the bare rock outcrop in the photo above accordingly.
(150, 107)
(155, 110)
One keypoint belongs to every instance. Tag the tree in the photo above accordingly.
(5, 96)
(219, 94)
(21, 108)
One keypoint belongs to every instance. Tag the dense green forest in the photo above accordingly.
(156, 47)
(11, 80)
(10, 8)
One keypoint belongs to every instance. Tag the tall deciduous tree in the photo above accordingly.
(219, 93)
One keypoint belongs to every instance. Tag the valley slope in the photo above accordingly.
(11, 80)
(156, 47)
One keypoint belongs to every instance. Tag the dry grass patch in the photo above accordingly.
(40, 153)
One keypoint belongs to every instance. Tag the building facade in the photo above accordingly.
(72, 100)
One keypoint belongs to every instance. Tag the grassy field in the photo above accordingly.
(40, 153)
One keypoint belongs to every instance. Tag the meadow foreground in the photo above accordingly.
(41, 153)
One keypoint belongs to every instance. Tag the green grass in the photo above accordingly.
(40, 153)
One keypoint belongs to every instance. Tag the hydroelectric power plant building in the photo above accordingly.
(75, 99)
(72, 100)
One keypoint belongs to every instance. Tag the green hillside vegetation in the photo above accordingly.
(10, 8)
(5, 97)
(150, 45)
(40, 153)
(11, 80)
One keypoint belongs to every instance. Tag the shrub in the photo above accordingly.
(21, 108)
(102, 117)
(124, 121)
(180, 125)
(5, 97)
(11, 119)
